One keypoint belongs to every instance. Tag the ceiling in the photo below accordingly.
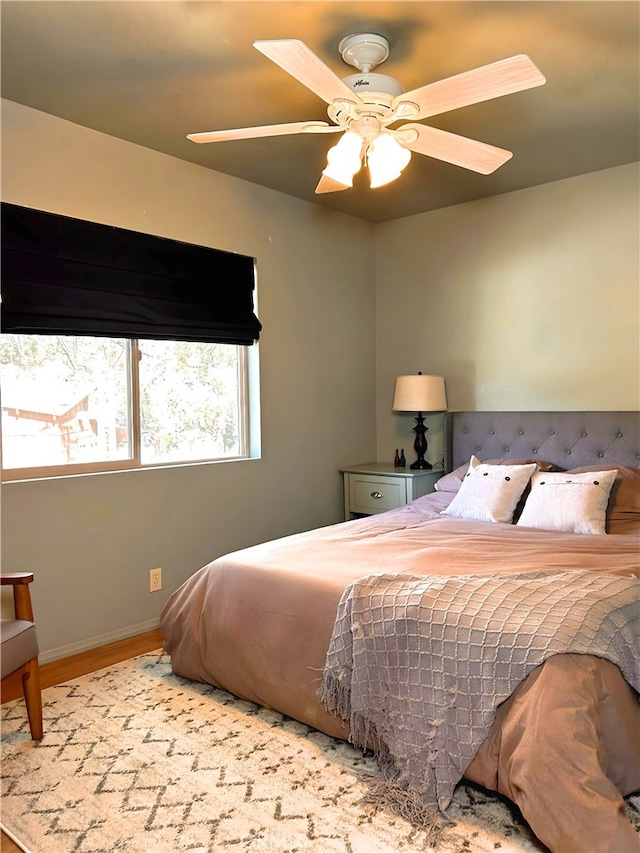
(150, 72)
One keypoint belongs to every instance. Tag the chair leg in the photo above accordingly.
(33, 698)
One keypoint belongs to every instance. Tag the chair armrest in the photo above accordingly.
(14, 578)
(21, 596)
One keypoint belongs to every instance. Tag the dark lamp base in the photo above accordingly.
(420, 445)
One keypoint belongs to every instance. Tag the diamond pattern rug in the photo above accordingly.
(137, 759)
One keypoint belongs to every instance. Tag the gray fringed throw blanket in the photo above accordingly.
(418, 664)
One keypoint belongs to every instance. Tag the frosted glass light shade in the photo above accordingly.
(386, 159)
(344, 159)
(420, 393)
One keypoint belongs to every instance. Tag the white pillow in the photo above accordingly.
(490, 492)
(572, 503)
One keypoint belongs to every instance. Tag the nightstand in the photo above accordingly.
(374, 488)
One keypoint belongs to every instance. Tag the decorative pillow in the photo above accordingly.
(572, 503)
(625, 492)
(623, 511)
(490, 492)
(452, 481)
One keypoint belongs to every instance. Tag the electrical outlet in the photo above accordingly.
(155, 580)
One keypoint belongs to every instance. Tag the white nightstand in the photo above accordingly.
(373, 488)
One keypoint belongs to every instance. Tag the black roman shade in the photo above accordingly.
(66, 276)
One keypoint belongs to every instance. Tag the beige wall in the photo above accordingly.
(92, 540)
(529, 300)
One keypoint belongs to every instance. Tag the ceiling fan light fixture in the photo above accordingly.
(364, 105)
(386, 159)
(345, 158)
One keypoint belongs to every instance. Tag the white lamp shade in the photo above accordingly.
(419, 393)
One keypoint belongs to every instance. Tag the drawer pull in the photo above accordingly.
(376, 495)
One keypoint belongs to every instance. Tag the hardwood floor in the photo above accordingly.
(7, 845)
(72, 667)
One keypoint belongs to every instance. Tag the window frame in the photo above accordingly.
(134, 462)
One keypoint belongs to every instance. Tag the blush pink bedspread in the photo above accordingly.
(257, 623)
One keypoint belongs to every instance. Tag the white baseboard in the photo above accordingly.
(94, 642)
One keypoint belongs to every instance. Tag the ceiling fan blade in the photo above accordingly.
(265, 130)
(294, 57)
(329, 185)
(468, 153)
(471, 87)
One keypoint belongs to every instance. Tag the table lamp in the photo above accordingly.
(420, 393)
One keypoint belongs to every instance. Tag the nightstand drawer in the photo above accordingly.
(376, 487)
(370, 495)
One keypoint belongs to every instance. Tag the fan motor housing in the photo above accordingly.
(363, 83)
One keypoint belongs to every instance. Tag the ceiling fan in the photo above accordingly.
(363, 107)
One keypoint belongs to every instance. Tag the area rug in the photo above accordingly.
(137, 759)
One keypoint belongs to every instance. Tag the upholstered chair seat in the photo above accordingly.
(19, 644)
(19, 649)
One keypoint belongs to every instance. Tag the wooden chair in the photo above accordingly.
(19, 648)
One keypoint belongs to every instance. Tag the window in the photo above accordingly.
(121, 349)
(73, 404)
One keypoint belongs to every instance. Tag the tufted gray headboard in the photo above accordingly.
(566, 439)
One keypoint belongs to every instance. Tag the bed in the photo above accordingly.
(565, 744)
